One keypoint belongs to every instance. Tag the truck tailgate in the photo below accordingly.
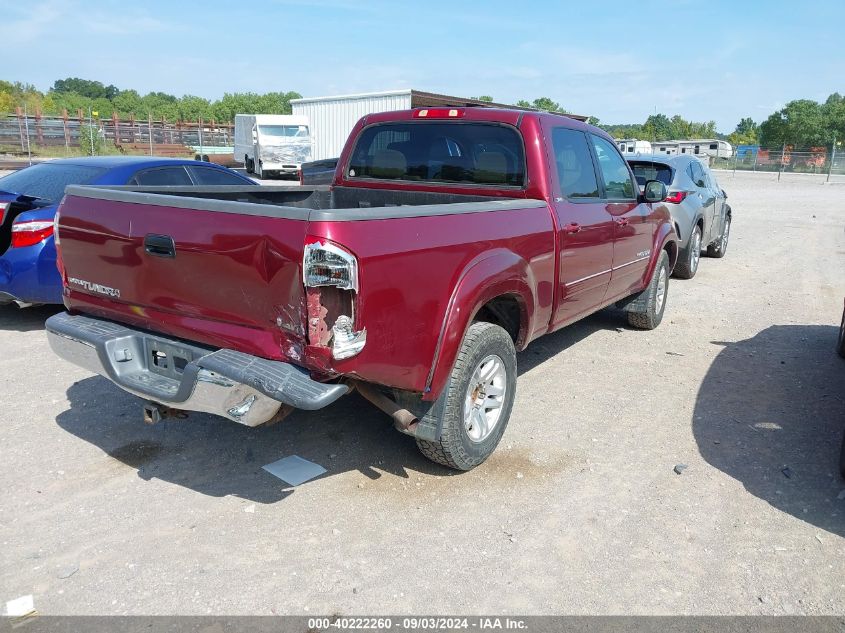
(227, 278)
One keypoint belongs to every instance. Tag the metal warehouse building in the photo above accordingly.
(332, 118)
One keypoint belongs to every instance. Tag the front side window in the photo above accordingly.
(575, 171)
(464, 153)
(614, 170)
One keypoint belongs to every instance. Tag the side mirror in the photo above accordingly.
(655, 191)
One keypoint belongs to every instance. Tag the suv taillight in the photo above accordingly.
(675, 197)
(30, 233)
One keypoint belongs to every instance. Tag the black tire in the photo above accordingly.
(718, 248)
(688, 262)
(456, 449)
(248, 164)
(840, 344)
(645, 311)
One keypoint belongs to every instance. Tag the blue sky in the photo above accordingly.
(703, 59)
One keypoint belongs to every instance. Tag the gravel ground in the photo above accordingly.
(579, 511)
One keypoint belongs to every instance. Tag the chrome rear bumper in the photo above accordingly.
(237, 386)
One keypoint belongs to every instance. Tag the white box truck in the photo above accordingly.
(272, 144)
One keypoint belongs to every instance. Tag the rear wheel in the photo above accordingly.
(479, 398)
(646, 310)
(247, 164)
(688, 262)
(718, 248)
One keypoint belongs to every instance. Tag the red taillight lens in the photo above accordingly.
(3, 207)
(675, 197)
(29, 233)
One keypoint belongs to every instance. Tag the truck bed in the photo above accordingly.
(234, 277)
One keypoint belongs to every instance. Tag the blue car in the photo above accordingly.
(28, 202)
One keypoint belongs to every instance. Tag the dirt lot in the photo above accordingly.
(579, 511)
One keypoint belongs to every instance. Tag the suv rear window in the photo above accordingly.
(472, 153)
(651, 171)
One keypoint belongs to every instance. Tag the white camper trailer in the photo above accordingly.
(633, 146)
(272, 144)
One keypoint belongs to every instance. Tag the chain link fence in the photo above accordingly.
(783, 159)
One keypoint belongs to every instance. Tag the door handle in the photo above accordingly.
(159, 245)
(622, 221)
(572, 227)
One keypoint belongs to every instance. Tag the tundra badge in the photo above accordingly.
(92, 287)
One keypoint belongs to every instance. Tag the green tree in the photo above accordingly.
(486, 98)
(85, 87)
(746, 132)
(801, 124)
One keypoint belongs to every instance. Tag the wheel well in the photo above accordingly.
(700, 224)
(506, 312)
(672, 249)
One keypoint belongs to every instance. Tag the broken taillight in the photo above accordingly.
(330, 276)
(30, 233)
(329, 265)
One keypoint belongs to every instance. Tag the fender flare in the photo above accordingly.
(663, 237)
(498, 272)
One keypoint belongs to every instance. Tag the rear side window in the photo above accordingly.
(575, 171)
(697, 174)
(211, 176)
(644, 172)
(162, 176)
(467, 153)
(613, 169)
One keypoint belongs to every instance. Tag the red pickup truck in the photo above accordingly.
(449, 240)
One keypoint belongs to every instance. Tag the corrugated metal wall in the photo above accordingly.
(332, 118)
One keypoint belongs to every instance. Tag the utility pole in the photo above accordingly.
(200, 131)
(26, 124)
(150, 130)
(832, 156)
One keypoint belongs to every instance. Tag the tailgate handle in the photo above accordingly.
(160, 245)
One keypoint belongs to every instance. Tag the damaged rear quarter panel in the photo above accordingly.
(408, 269)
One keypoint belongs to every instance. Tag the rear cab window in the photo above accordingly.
(475, 153)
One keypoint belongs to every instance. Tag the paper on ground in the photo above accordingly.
(294, 470)
(20, 606)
